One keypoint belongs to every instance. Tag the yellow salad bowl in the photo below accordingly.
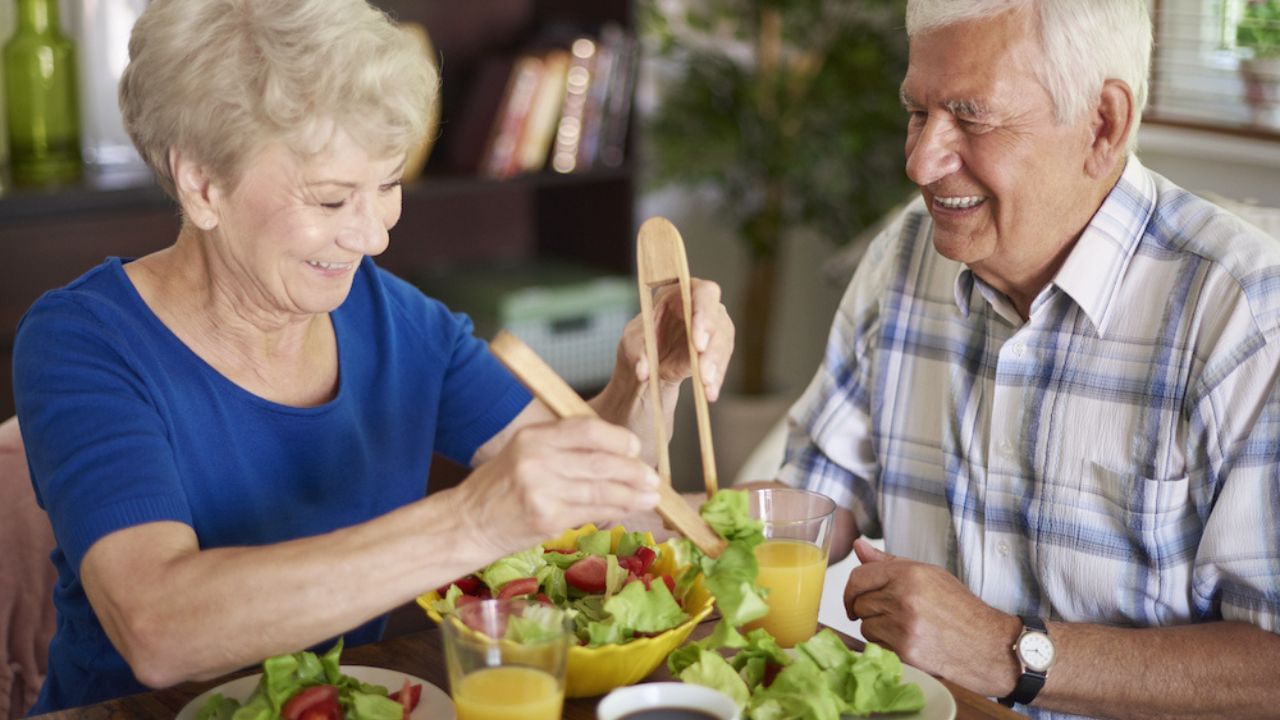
(596, 671)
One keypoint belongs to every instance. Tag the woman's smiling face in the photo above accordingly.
(1002, 179)
(293, 231)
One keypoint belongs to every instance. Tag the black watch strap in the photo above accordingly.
(1031, 681)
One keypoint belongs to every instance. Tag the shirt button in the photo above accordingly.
(1006, 447)
(1019, 350)
(1003, 548)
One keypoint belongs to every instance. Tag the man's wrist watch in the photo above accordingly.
(1036, 653)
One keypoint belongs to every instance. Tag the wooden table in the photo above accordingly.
(420, 653)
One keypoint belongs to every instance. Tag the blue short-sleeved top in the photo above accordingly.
(125, 425)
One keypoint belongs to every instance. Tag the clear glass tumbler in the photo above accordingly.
(507, 659)
(793, 559)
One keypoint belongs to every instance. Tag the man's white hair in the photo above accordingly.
(1085, 43)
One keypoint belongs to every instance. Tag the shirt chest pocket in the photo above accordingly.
(1118, 547)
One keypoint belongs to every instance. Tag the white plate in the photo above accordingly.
(434, 704)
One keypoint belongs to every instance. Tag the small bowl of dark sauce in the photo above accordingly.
(666, 701)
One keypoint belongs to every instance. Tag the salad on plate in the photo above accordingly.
(306, 686)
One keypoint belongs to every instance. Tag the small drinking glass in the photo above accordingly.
(792, 559)
(507, 659)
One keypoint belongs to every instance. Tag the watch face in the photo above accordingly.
(1035, 649)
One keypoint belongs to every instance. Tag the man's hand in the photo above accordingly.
(931, 621)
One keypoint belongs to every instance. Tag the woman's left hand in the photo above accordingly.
(713, 334)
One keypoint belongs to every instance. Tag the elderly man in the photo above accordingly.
(1052, 389)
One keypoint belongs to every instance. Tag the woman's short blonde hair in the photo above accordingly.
(219, 79)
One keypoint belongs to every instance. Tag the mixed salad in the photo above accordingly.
(304, 686)
(617, 585)
(621, 585)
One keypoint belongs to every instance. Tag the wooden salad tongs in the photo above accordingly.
(556, 394)
(660, 261)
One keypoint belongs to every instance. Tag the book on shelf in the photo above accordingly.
(593, 123)
(564, 152)
(469, 134)
(501, 159)
(622, 83)
(566, 107)
(540, 127)
(593, 108)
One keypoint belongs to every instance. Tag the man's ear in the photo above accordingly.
(196, 192)
(1113, 118)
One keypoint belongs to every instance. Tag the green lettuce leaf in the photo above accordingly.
(217, 707)
(257, 708)
(682, 657)
(799, 691)
(551, 580)
(628, 543)
(597, 543)
(446, 604)
(645, 611)
(373, 706)
(523, 564)
(731, 578)
(606, 632)
(539, 624)
(875, 684)
(711, 670)
(614, 576)
(727, 513)
(563, 560)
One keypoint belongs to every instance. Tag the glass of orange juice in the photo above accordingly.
(792, 559)
(507, 659)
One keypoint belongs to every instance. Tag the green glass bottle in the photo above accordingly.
(40, 97)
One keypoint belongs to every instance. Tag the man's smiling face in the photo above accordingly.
(1005, 184)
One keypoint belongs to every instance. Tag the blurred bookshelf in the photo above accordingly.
(456, 214)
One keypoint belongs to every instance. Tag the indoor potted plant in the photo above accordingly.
(789, 111)
(1258, 35)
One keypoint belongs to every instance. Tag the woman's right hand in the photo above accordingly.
(556, 475)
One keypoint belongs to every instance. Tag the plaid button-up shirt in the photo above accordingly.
(1112, 459)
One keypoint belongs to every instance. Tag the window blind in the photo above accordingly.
(1205, 73)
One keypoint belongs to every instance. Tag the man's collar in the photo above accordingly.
(1096, 266)
(1093, 270)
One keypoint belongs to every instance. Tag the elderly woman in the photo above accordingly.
(231, 436)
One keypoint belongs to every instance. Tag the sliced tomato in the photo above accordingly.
(308, 698)
(645, 555)
(771, 670)
(542, 598)
(469, 585)
(465, 600)
(670, 582)
(518, 587)
(588, 574)
(326, 711)
(408, 696)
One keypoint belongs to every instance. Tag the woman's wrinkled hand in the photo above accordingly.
(713, 335)
(554, 476)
